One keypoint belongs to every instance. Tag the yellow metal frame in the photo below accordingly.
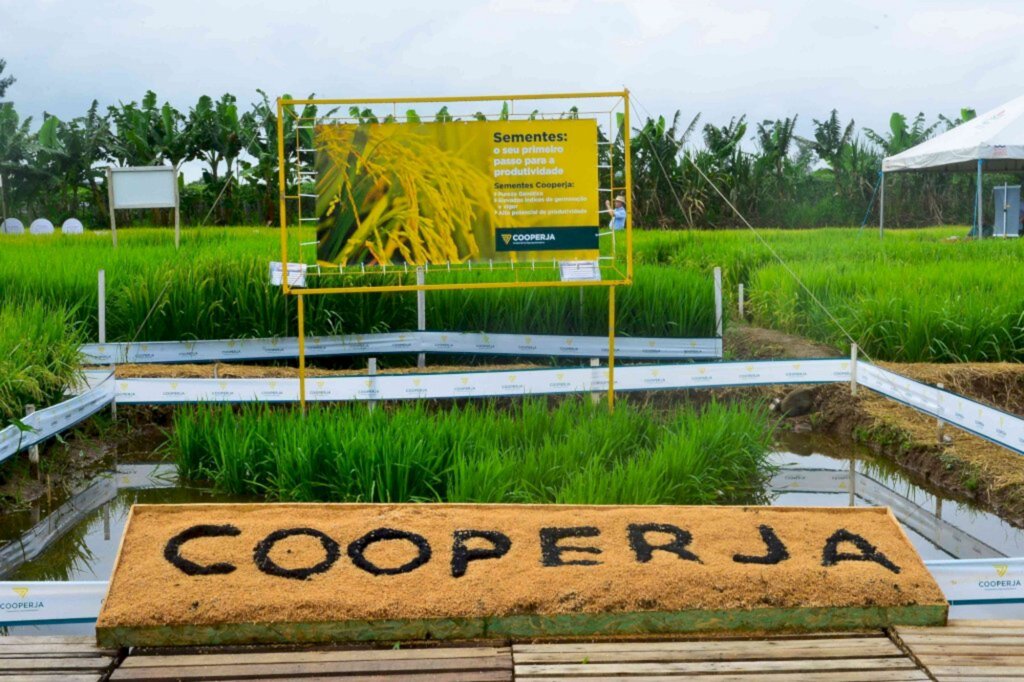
(393, 288)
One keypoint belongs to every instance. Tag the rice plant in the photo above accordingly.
(529, 452)
(39, 357)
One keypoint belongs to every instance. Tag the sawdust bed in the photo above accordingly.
(147, 591)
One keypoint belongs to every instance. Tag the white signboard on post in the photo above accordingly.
(143, 187)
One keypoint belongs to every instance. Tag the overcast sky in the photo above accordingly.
(767, 60)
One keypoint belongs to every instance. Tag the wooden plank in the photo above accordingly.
(311, 656)
(977, 649)
(297, 670)
(975, 678)
(973, 672)
(841, 676)
(25, 664)
(47, 639)
(956, 638)
(488, 676)
(989, 661)
(749, 651)
(43, 677)
(773, 642)
(587, 669)
(53, 650)
(951, 630)
(966, 623)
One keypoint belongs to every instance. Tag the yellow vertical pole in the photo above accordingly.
(281, 195)
(629, 187)
(611, 181)
(611, 349)
(302, 354)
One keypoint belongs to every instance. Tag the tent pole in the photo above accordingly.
(980, 207)
(881, 205)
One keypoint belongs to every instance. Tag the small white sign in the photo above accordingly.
(144, 187)
(296, 274)
(580, 270)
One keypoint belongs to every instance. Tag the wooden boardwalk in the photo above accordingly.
(974, 650)
(968, 649)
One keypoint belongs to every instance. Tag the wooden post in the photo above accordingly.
(881, 207)
(101, 310)
(740, 301)
(940, 425)
(853, 370)
(421, 313)
(718, 302)
(110, 204)
(101, 332)
(33, 451)
(595, 398)
(853, 483)
(177, 212)
(371, 370)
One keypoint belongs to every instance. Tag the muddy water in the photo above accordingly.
(812, 472)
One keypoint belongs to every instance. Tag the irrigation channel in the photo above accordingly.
(76, 538)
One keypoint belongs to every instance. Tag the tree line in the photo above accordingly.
(770, 174)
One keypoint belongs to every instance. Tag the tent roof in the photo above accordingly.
(996, 136)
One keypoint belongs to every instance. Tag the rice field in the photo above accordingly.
(914, 296)
(527, 452)
(217, 286)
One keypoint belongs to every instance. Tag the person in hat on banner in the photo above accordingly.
(618, 221)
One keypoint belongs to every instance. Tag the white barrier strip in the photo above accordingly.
(52, 420)
(483, 384)
(45, 603)
(980, 581)
(404, 342)
(995, 425)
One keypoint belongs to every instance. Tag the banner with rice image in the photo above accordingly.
(456, 192)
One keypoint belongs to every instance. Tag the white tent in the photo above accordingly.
(993, 141)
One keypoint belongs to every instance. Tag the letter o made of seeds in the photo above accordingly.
(357, 550)
(261, 554)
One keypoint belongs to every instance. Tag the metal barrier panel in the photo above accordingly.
(401, 342)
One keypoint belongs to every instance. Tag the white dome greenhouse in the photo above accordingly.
(41, 226)
(12, 226)
(72, 226)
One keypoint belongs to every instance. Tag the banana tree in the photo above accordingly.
(259, 128)
(70, 152)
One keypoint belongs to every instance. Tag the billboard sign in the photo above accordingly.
(457, 191)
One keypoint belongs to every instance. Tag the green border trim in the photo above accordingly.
(798, 619)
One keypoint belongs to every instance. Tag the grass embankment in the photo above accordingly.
(39, 356)
(217, 286)
(573, 452)
(914, 296)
